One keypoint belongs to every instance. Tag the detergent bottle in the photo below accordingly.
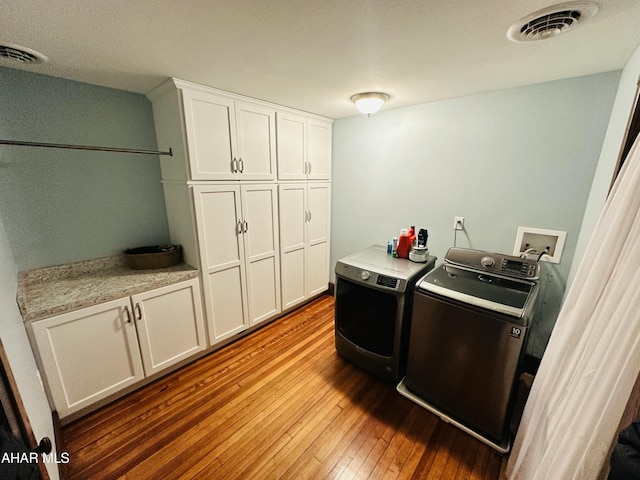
(406, 239)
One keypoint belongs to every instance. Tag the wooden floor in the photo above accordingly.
(280, 403)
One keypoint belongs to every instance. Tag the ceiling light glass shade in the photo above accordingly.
(370, 102)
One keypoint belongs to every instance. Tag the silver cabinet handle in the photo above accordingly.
(242, 226)
(127, 313)
(234, 165)
(138, 312)
(309, 167)
(241, 163)
(309, 215)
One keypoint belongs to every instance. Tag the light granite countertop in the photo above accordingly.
(51, 291)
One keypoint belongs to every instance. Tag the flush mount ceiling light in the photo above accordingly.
(20, 54)
(370, 102)
(551, 22)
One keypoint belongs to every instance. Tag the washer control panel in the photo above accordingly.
(487, 261)
(519, 268)
(495, 263)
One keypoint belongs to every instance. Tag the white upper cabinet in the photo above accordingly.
(227, 139)
(292, 131)
(210, 139)
(256, 137)
(318, 150)
(213, 136)
(304, 147)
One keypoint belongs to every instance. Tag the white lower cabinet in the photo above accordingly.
(304, 240)
(170, 325)
(92, 353)
(237, 228)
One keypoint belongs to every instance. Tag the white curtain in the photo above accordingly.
(593, 357)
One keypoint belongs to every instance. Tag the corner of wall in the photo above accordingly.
(618, 121)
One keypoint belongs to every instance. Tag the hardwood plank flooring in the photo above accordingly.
(278, 404)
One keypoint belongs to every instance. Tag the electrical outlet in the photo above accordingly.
(458, 223)
(537, 240)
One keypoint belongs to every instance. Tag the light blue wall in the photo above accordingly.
(609, 156)
(62, 206)
(518, 157)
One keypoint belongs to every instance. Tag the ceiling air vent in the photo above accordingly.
(20, 54)
(551, 21)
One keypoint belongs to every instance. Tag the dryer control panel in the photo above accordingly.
(388, 282)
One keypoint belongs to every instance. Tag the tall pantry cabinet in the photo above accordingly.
(247, 194)
(304, 240)
(238, 227)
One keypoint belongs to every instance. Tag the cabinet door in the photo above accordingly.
(319, 207)
(255, 125)
(318, 150)
(293, 216)
(318, 233)
(260, 231)
(291, 135)
(170, 324)
(218, 219)
(88, 354)
(304, 236)
(211, 135)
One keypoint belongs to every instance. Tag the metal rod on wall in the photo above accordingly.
(86, 147)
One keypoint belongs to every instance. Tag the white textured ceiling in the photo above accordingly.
(314, 54)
